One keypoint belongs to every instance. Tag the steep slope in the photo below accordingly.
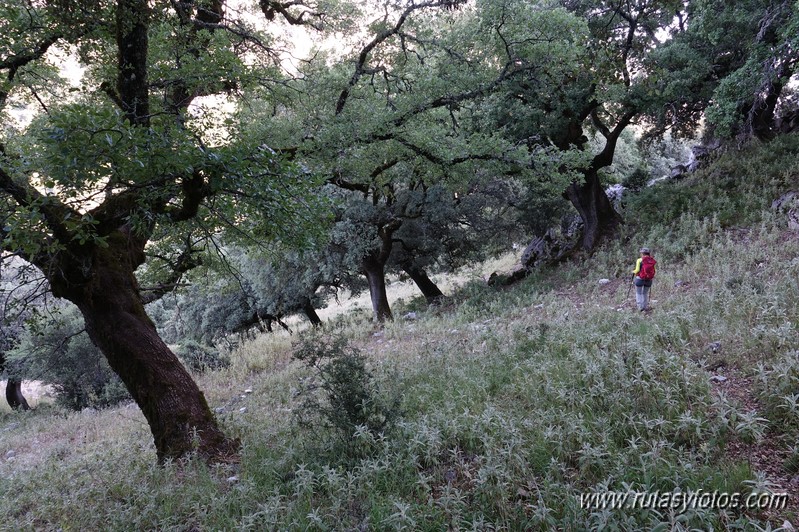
(519, 407)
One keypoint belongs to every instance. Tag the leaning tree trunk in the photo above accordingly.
(428, 288)
(14, 395)
(176, 410)
(374, 270)
(311, 314)
(597, 213)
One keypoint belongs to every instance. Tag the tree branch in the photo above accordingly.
(360, 63)
(52, 209)
(132, 42)
(186, 261)
(270, 7)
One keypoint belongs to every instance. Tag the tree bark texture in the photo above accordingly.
(109, 299)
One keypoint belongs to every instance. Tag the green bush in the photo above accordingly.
(201, 358)
(636, 180)
(341, 393)
(59, 352)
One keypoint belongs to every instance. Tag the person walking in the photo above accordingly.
(643, 274)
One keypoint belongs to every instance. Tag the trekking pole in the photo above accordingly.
(629, 288)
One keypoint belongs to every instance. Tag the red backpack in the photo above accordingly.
(647, 272)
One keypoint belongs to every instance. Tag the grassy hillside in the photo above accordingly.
(501, 408)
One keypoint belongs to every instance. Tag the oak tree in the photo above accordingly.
(133, 148)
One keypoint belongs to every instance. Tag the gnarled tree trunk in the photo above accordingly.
(592, 203)
(108, 297)
(589, 198)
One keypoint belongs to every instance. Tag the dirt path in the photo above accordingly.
(767, 455)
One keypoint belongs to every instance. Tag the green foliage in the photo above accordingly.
(250, 285)
(730, 57)
(201, 358)
(341, 393)
(636, 180)
(515, 402)
(778, 385)
(59, 352)
(737, 189)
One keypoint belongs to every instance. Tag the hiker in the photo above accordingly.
(642, 278)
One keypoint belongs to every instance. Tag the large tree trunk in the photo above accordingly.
(597, 213)
(374, 270)
(373, 266)
(14, 395)
(175, 409)
(760, 119)
(429, 289)
(589, 198)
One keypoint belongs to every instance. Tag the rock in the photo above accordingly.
(410, 316)
(788, 203)
(248, 391)
(713, 347)
(233, 479)
(785, 199)
(793, 220)
(10, 454)
(718, 378)
(604, 281)
(243, 409)
(615, 194)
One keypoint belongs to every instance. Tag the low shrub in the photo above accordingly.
(341, 393)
